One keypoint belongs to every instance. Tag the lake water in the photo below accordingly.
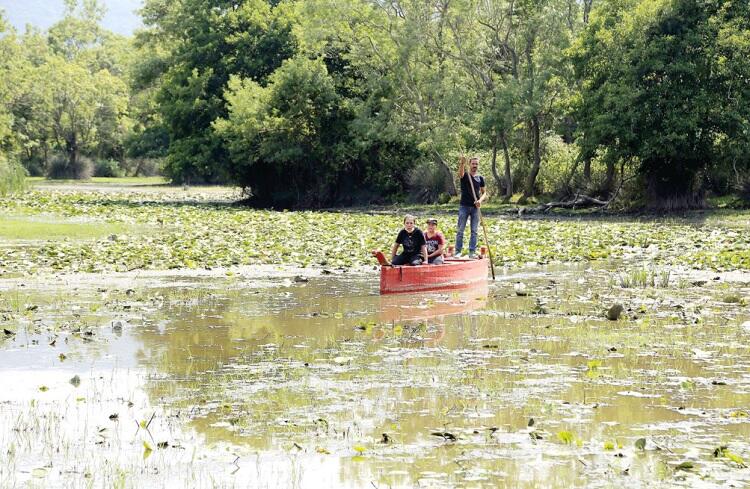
(272, 380)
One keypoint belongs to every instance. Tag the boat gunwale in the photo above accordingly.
(415, 275)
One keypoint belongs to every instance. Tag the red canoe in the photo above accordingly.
(455, 273)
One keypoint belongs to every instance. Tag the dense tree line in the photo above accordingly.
(666, 92)
(322, 102)
(66, 100)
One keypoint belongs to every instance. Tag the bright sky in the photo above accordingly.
(120, 17)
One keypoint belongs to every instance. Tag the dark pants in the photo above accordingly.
(404, 259)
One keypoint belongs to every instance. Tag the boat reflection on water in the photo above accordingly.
(422, 317)
(418, 307)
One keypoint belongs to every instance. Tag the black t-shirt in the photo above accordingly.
(412, 242)
(466, 196)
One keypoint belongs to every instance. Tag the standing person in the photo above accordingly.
(412, 239)
(435, 242)
(469, 206)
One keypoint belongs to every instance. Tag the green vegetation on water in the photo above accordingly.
(172, 228)
(26, 228)
(137, 181)
(599, 362)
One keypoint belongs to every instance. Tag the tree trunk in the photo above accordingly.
(587, 169)
(570, 176)
(139, 166)
(533, 124)
(609, 182)
(73, 155)
(498, 180)
(508, 176)
(587, 160)
(121, 160)
(536, 164)
(586, 10)
(448, 174)
(569, 18)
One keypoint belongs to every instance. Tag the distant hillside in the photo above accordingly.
(121, 16)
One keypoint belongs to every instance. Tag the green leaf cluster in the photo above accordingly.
(665, 89)
(196, 46)
(64, 91)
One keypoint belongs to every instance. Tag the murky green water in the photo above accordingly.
(319, 382)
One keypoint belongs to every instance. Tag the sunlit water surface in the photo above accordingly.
(320, 382)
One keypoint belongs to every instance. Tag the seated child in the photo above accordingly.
(412, 239)
(435, 242)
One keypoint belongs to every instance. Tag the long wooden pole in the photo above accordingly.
(481, 221)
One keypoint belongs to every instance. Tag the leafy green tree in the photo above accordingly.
(68, 92)
(202, 44)
(303, 139)
(545, 32)
(665, 89)
(450, 69)
(12, 174)
(149, 137)
(512, 51)
(79, 38)
(78, 33)
(286, 137)
(9, 78)
(732, 53)
(82, 108)
(403, 51)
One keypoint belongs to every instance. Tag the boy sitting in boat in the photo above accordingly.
(435, 243)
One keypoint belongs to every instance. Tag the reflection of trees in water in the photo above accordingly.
(249, 371)
(230, 366)
(242, 376)
(487, 465)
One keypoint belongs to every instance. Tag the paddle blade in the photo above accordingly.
(381, 258)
